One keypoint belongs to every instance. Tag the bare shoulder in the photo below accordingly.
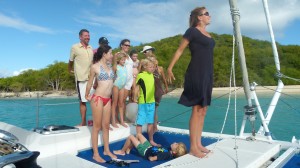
(95, 67)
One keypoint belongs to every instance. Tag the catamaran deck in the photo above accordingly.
(249, 154)
(59, 150)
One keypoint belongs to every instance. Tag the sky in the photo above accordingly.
(36, 33)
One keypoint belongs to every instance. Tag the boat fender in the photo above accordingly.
(131, 111)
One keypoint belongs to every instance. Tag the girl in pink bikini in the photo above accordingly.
(100, 101)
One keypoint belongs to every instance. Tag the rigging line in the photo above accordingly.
(176, 115)
(212, 100)
(54, 104)
(295, 79)
(232, 75)
(226, 94)
(279, 92)
(289, 106)
(15, 102)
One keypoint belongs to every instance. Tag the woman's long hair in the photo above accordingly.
(194, 16)
(101, 50)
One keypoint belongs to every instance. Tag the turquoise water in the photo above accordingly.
(285, 122)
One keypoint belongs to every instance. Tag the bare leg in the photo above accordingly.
(138, 129)
(122, 99)
(194, 135)
(131, 140)
(155, 120)
(82, 108)
(97, 118)
(114, 106)
(150, 134)
(133, 98)
(202, 111)
(105, 130)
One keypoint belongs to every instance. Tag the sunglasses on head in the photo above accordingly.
(206, 14)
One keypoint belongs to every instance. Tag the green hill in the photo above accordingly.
(259, 57)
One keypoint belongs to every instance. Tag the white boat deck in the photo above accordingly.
(66, 160)
(250, 154)
(60, 150)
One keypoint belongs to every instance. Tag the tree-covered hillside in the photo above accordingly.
(259, 57)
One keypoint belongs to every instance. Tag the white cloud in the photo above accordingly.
(16, 73)
(146, 22)
(20, 24)
(4, 73)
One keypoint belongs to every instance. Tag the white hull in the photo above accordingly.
(60, 150)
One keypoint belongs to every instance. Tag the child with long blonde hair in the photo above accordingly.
(119, 83)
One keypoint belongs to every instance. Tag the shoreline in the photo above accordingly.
(288, 89)
(43, 94)
(266, 90)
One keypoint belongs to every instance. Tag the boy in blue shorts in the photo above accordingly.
(146, 99)
(150, 152)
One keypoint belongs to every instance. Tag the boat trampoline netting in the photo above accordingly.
(163, 138)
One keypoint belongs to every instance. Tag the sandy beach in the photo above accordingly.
(50, 94)
(289, 89)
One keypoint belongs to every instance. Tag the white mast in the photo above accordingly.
(249, 109)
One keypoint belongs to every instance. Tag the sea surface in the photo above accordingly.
(29, 113)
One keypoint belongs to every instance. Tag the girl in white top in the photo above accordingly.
(123, 93)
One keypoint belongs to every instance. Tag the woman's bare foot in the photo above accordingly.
(124, 125)
(198, 154)
(110, 155)
(203, 149)
(119, 152)
(155, 144)
(98, 159)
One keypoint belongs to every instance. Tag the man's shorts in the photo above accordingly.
(81, 88)
(145, 114)
(141, 148)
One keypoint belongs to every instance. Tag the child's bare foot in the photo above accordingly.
(124, 125)
(110, 155)
(155, 144)
(115, 125)
(119, 152)
(98, 159)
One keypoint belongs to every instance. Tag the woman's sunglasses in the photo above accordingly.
(206, 14)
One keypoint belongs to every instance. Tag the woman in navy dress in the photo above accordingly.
(198, 77)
